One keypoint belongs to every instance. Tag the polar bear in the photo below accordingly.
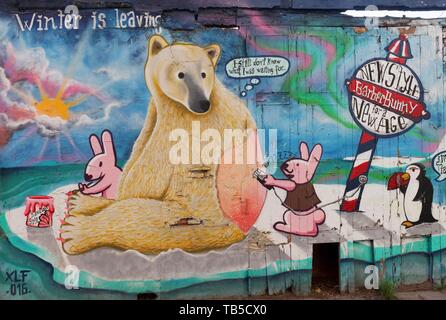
(161, 205)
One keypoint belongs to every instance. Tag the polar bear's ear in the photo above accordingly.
(213, 52)
(156, 43)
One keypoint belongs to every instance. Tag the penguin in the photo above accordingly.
(418, 194)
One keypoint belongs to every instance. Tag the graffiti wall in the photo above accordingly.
(182, 156)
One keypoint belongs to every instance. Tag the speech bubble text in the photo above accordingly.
(439, 165)
(255, 67)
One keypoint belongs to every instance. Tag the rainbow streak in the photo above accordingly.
(271, 46)
(423, 134)
(297, 86)
(280, 49)
(309, 59)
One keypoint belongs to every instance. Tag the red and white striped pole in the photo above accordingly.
(398, 51)
(358, 174)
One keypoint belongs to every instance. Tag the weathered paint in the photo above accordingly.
(308, 103)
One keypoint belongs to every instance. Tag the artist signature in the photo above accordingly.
(17, 280)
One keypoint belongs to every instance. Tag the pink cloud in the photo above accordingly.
(34, 68)
(30, 65)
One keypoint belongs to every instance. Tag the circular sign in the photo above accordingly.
(386, 98)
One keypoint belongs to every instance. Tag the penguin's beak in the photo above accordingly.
(397, 180)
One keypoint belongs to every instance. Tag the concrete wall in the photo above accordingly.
(114, 216)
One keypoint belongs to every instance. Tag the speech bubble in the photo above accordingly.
(257, 66)
(439, 165)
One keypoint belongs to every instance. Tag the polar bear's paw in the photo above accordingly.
(80, 204)
(78, 234)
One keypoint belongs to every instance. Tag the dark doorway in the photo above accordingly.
(325, 276)
(147, 296)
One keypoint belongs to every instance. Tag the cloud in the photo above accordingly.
(113, 74)
(29, 67)
(87, 120)
(108, 108)
(13, 125)
(25, 64)
(49, 126)
(5, 84)
(13, 115)
(84, 120)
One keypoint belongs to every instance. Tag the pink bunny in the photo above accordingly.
(303, 216)
(101, 172)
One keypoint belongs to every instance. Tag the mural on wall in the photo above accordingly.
(155, 159)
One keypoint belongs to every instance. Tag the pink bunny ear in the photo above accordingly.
(304, 153)
(107, 142)
(316, 153)
(313, 161)
(95, 144)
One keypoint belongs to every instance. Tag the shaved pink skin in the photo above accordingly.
(240, 196)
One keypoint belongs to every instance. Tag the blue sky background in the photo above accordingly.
(122, 52)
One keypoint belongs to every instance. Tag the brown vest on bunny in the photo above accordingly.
(302, 198)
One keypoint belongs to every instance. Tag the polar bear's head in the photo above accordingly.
(183, 72)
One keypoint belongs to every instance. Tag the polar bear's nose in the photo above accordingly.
(204, 105)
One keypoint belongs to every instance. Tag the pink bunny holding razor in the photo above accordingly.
(101, 172)
(302, 216)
